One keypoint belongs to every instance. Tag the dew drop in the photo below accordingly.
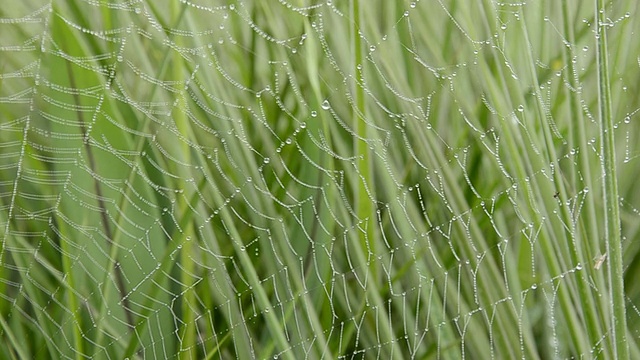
(326, 105)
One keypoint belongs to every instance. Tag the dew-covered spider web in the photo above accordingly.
(301, 179)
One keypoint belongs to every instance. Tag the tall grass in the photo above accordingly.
(338, 179)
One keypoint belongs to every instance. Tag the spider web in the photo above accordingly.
(290, 180)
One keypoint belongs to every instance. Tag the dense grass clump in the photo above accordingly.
(319, 179)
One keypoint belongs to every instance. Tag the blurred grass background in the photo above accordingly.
(307, 179)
